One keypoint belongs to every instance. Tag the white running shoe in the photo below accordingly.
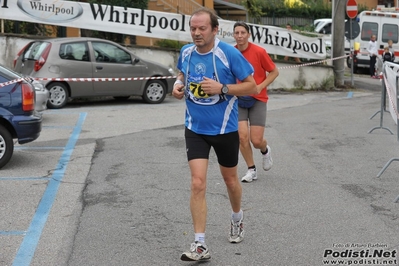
(236, 231)
(198, 251)
(267, 160)
(249, 176)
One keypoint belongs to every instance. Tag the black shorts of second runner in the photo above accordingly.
(256, 115)
(226, 147)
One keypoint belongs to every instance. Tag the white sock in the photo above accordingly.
(200, 237)
(237, 216)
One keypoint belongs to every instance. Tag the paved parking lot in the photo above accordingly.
(30, 183)
(49, 174)
(106, 184)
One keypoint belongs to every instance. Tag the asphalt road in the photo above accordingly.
(107, 183)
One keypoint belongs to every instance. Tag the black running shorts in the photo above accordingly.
(226, 147)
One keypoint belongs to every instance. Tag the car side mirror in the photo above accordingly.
(136, 60)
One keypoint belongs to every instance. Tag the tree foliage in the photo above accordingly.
(313, 9)
(304, 8)
(254, 8)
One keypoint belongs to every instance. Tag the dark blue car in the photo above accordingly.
(18, 118)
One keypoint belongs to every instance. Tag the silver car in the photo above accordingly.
(42, 96)
(90, 67)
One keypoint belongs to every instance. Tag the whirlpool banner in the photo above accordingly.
(163, 25)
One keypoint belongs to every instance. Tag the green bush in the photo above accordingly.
(312, 9)
(170, 44)
(298, 11)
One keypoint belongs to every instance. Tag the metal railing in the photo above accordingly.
(392, 90)
(281, 22)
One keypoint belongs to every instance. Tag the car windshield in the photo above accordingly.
(8, 73)
(316, 23)
(35, 50)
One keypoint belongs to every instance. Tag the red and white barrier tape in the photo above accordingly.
(144, 78)
(87, 79)
(314, 63)
(11, 82)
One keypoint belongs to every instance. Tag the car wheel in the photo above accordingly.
(154, 92)
(58, 95)
(349, 61)
(349, 64)
(6, 146)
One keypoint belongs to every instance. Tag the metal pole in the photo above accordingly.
(332, 26)
(350, 34)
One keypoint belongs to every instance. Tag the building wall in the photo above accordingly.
(372, 4)
(369, 3)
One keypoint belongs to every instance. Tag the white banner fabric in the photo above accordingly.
(153, 24)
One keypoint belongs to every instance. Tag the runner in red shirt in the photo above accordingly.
(252, 109)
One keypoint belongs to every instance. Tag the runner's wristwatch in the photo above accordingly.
(225, 89)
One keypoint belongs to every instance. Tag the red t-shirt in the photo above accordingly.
(262, 63)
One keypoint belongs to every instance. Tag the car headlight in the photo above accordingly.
(38, 86)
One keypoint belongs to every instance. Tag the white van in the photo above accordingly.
(324, 26)
(384, 23)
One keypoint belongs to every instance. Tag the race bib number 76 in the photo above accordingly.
(197, 91)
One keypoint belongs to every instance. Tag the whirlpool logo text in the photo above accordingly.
(55, 11)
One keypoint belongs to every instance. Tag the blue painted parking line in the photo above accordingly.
(44, 148)
(28, 246)
(350, 94)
